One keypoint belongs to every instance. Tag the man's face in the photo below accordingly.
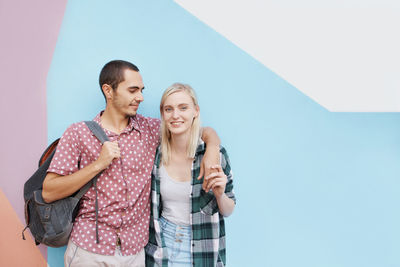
(128, 95)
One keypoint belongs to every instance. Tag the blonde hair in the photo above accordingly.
(194, 130)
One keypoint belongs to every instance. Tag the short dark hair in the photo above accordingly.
(113, 73)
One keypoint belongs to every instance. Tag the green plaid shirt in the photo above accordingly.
(208, 227)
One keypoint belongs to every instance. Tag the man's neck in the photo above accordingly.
(114, 121)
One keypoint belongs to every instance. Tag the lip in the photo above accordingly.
(176, 123)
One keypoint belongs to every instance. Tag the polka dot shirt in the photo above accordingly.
(123, 188)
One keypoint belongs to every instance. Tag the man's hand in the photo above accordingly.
(216, 181)
(109, 152)
(211, 159)
(56, 186)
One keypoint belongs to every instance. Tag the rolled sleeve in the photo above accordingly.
(66, 158)
(226, 166)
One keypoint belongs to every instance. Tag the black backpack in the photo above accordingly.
(51, 223)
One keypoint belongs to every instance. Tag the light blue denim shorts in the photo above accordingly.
(177, 239)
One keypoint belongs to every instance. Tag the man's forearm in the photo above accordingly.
(212, 155)
(210, 137)
(57, 186)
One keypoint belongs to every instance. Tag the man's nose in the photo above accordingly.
(139, 97)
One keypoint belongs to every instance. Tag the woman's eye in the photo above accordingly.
(183, 108)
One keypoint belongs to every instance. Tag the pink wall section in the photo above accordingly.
(28, 34)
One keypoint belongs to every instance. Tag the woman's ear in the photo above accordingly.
(197, 111)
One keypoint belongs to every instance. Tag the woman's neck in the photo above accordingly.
(179, 143)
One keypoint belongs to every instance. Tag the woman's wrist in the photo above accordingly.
(221, 196)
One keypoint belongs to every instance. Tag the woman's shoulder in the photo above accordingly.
(201, 148)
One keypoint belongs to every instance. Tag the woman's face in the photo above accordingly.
(178, 112)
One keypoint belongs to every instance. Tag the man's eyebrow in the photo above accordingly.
(135, 87)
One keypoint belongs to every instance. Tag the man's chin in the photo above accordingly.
(131, 114)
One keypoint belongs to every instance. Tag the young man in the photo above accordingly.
(123, 189)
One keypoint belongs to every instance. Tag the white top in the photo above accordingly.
(175, 196)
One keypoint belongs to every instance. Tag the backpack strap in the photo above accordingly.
(101, 135)
(97, 131)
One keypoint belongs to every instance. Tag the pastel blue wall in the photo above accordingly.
(314, 188)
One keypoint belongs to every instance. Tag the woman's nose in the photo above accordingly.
(175, 114)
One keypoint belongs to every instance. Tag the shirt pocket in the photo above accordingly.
(208, 203)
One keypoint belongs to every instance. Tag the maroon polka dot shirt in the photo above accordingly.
(123, 188)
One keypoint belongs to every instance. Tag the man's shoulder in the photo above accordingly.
(147, 121)
(76, 125)
(76, 129)
(140, 117)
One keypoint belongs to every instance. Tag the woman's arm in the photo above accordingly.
(217, 182)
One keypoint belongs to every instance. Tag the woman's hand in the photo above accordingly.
(216, 181)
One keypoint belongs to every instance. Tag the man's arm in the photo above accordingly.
(57, 186)
(211, 156)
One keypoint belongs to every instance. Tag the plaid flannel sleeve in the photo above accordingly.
(226, 166)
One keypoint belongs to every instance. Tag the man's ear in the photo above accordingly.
(107, 90)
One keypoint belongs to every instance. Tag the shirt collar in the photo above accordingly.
(201, 146)
(132, 125)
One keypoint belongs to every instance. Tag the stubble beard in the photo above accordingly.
(124, 109)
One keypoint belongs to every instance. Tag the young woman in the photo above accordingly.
(187, 215)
